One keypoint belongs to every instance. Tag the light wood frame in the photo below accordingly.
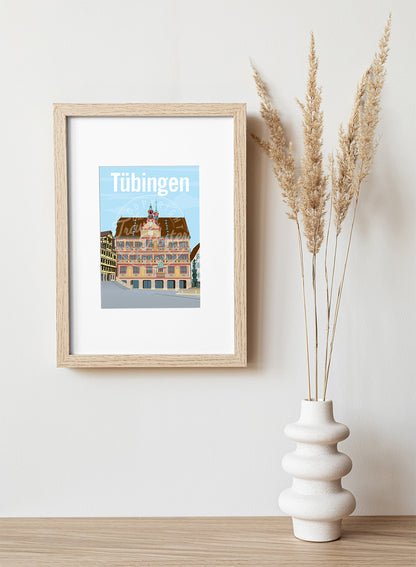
(61, 114)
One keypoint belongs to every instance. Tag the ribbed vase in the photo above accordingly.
(316, 501)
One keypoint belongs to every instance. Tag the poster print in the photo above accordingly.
(149, 239)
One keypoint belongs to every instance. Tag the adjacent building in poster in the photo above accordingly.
(107, 257)
(195, 270)
(153, 252)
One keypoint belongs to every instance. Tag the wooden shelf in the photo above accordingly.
(249, 541)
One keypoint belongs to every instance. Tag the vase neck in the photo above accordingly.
(316, 412)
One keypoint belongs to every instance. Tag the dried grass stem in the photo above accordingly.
(306, 195)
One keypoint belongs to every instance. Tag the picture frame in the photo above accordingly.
(207, 140)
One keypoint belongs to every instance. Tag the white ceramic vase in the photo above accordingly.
(316, 501)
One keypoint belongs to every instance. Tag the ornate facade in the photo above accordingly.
(153, 252)
(107, 257)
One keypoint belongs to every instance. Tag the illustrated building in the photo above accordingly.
(195, 262)
(153, 252)
(108, 256)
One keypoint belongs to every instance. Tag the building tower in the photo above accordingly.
(150, 212)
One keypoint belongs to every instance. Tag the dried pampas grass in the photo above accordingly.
(306, 195)
(313, 181)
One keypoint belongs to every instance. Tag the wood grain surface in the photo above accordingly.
(67, 359)
(376, 541)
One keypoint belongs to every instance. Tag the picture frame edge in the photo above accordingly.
(61, 113)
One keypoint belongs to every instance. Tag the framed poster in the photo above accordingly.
(150, 234)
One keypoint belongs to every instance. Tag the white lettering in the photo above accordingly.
(151, 184)
(161, 184)
(115, 175)
(135, 183)
(127, 182)
(173, 184)
(184, 181)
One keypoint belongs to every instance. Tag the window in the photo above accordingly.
(171, 284)
(136, 269)
(159, 284)
(147, 284)
(161, 243)
(118, 256)
(148, 243)
(129, 244)
(183, 270)
(148, 270)
(120, 244)
(171, 269)
(125, 257)
(123, 269)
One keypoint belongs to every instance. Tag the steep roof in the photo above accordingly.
(174, 227)
(194, 251)
(106, 232)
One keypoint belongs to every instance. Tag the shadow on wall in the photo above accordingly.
(264, 254)
(379, 472)
(256, 208)
(258, 245)
(257, 171)
(383, 199)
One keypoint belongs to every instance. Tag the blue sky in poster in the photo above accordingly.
(171, 201)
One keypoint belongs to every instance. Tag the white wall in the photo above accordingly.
(204, 442)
